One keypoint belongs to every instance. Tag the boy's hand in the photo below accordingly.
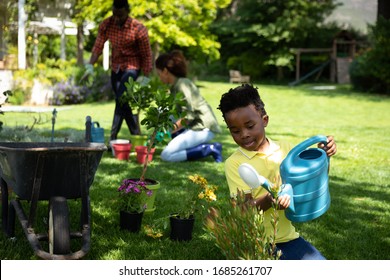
(330, 148)
(283, 201)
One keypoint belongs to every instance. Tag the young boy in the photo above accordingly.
(246, 118)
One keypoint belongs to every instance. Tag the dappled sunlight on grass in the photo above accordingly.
(355, 227)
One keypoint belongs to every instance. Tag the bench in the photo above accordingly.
(236, 77)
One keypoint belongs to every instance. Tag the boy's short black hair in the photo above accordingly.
(239, 97)
(119, 4)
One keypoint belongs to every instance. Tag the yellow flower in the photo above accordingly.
(151, 232)
(211, 196)
(199, 180)
(207, 191)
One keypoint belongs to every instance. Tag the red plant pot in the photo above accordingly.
(122, 151)
(142, 152)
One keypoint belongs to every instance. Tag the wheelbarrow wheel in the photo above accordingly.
(59, 228)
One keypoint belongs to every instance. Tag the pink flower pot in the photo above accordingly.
(142, 152)
(122, 151)
(117, 141)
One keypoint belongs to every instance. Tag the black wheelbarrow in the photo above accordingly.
(54, 172)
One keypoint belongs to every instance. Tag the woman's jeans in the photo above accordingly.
(176, 148)
(122, 111)
(299, 249)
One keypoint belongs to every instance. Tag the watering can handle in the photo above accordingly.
(311, 141)
(303, 146)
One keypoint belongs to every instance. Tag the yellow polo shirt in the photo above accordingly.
(267, 164)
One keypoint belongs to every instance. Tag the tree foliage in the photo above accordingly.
(265, 30)
(171, 23)
(370, 71)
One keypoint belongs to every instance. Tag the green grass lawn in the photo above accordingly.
(355, 227)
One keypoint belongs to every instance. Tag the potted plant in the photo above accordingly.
(139, 94)
(133, 196)
(157, 118)
(198, 198)
(144, 97)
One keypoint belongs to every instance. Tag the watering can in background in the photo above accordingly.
(93, 131)
(97, 133)
(304, 174)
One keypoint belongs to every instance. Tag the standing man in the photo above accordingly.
(131, 53)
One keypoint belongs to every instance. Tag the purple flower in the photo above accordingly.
(136, 190)
(133, 195)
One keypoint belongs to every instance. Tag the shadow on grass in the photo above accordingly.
(356, 225)
(109, 242)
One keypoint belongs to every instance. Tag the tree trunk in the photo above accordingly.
(80, 44)
(280, 73)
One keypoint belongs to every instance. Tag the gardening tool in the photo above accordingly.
(306, 171)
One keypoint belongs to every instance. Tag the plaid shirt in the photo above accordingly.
(129, 44)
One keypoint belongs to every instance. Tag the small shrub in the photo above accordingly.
(100, 87)
(65, 93)
(3, 99)
(240, 233)
(371, 71)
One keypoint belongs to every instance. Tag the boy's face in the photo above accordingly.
(247, 127)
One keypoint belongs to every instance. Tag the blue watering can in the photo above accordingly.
(97, 133)
(304, 175)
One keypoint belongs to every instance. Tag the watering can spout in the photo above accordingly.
(254, 180)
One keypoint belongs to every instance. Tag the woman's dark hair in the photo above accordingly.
(174, 61)
(239, 97)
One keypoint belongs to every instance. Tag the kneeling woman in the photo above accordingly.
(192, 141)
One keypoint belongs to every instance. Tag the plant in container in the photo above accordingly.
(142, 95)
(198, 198)
(139, 95)
(132, 203)
(157, 115)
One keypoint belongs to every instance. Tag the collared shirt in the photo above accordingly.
(129, 43)
(267, 164)
(198, 112)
